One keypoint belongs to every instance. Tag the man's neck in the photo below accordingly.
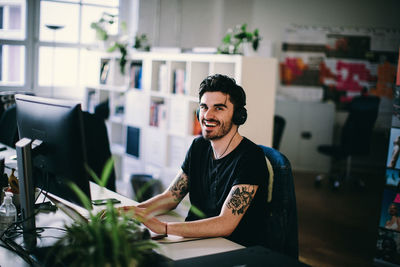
(227, 144)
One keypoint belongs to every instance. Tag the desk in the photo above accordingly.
(174, 251)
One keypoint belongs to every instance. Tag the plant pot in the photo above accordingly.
(104, 45)
(248, 50)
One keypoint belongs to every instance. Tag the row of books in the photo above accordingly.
(158, 114)
(135, 75)
(178, 80)
(178, 85)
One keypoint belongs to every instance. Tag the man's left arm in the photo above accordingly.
(233, 210)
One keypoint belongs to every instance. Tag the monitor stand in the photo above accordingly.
(27, 191)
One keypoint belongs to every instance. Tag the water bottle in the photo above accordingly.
(8, 212)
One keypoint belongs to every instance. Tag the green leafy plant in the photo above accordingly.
(141, 42)
(101, 25)
(236, 37)
(107, 238)
(121, 45)
(122, 48)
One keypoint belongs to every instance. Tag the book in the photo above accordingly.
(196, 125)
(135, 75)
(158, 114)
(104, 70)
(179, 82)
(163, 79)
(133, 141)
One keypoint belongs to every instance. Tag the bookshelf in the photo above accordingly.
(152, 109)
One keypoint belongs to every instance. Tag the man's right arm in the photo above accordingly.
(170, 198)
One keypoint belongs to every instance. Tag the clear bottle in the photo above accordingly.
(8, 212)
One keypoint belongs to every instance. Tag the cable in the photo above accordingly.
(15, 230)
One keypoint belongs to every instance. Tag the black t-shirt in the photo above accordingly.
(210, 182)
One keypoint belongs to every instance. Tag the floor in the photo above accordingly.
(339, 227)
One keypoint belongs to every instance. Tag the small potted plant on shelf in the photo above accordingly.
(120, 43)
(238, 40)
(106, 239)
(141, 42)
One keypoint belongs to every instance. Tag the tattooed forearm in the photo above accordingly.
(240, 199)
(180, 188)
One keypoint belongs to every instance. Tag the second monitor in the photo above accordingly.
(61, 157)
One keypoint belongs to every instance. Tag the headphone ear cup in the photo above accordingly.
(198, 114)
(239, 116)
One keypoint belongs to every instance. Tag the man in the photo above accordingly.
(224, 173)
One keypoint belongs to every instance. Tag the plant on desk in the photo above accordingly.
(106, 239)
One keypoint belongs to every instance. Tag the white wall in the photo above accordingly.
(189, 23)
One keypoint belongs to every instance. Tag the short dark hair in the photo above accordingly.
(224, 84)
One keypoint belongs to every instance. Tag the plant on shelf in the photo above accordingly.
(106, 239)
(102, 24)
(236, 38)
(141, 42)
(119, 44)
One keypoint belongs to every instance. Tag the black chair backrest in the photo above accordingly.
(102, 110)
(358, 128)
(8, 126)
(279, 126)
(97, 146)
(282, 224)
(144, 186)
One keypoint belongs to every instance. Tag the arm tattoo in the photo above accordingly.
(180, 188)
(240, 199)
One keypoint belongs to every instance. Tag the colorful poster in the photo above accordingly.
(394, 149)
(388, 239)
(341, 61)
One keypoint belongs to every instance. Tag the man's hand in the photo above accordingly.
(144, 217)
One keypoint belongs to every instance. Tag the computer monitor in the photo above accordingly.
(61, 156)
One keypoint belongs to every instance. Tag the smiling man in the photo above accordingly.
(224, 173)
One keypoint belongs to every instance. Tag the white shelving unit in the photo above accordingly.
(160, 114)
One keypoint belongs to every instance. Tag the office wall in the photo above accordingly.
(189, 23)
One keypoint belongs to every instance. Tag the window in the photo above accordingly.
(65, 60)
(12, 45)
(48, 45)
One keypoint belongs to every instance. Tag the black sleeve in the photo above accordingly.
(252, 169)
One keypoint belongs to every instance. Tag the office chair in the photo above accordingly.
(144, 186)
(8, 126)
(102, 110)
(282, 224)
(97, 146)
(279, 126)
(355, 136)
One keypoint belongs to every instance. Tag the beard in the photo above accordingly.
(221, 130)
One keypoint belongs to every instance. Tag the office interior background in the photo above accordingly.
(337, 228)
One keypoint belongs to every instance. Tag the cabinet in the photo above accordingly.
(308, 125)
(152, 108)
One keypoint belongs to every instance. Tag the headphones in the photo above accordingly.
(239, 115)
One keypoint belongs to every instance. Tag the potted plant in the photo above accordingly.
(119, 44)
(141, 42)
(236, 39)
(106, 239)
